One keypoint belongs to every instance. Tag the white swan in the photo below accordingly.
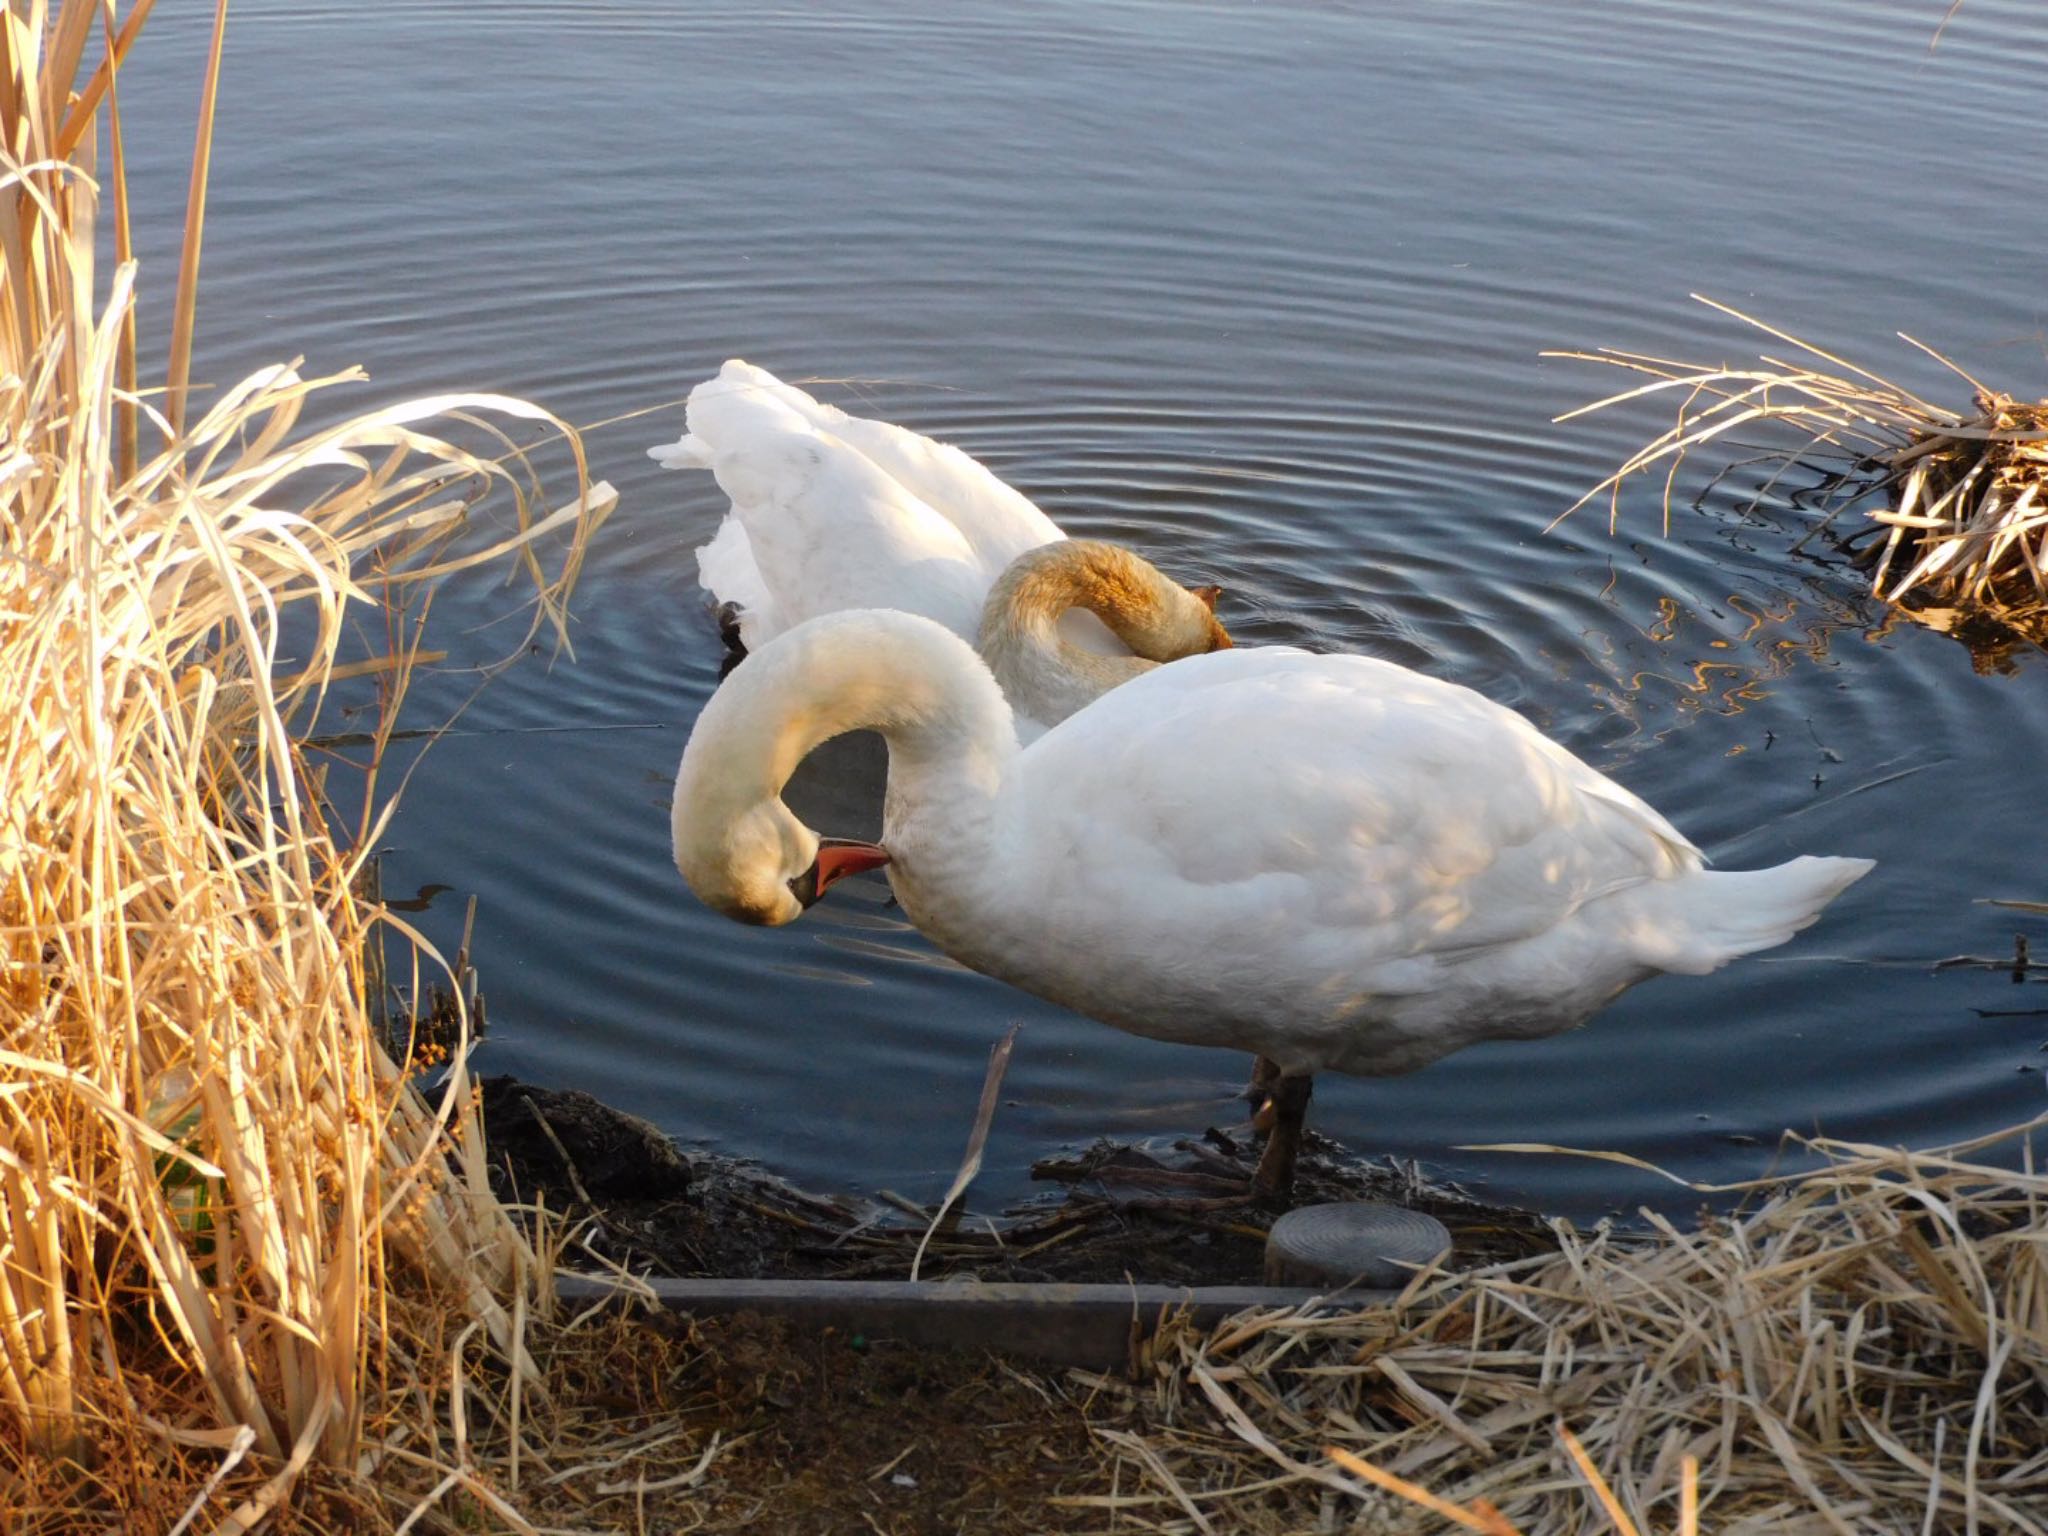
(831, 511)
(1329, 860)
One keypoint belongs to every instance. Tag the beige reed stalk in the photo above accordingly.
(1953, 505)
(211, 1177)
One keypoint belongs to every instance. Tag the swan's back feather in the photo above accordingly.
(868, 514)
(1437, 819)
(1340, 863)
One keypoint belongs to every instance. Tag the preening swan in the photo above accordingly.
(1331, 861)
(831, 512)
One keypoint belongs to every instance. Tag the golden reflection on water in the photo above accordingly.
(1781, 630)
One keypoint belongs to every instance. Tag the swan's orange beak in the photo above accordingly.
(837, 858)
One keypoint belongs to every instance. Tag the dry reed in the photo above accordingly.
(1954, 504)
(1861, 1348)
(1865, 1349)
(212, 1181)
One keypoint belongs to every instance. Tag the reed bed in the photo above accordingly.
(238, 1247)
(1862, 1349)
(1949, 507)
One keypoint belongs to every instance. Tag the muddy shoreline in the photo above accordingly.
(1161, 1212)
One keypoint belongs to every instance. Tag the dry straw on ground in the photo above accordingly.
(1865, 1349)
(234, 1244)
(1953, 505)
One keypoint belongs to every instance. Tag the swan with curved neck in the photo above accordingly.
(1363, 869)
(831, 512)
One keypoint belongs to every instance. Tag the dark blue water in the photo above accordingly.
(1261, 290)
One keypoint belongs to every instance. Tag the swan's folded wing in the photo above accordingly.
(997, 521)
(726, 569)
(1334, 809)
(828, 531)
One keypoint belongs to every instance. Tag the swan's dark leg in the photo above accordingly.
(729, 633)
(1273, 1184)
(729, 627)
(1259, 1092)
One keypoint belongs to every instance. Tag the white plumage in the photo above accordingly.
(831, 511)
(1330, 860)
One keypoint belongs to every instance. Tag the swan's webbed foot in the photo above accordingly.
(1273, 1182)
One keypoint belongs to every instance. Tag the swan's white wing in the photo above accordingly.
(1279, 833)
(727, 570)
(827, 530)
(995, 518)
(998, 521)
(881, 529)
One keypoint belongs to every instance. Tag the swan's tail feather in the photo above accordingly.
(1702, 921)
(732, 406)
(688, 452)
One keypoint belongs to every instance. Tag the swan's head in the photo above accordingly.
(757, 863)
(739, 848)
(742, 850)
(1157, 617)
(1216, 636)
(1153, 614)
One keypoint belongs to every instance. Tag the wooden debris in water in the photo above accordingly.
(1953, 504)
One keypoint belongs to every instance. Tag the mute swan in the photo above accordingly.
(1330, 860)
(831, 511)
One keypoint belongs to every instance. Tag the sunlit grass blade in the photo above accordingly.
(229, 1221)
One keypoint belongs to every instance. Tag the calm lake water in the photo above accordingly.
(1260, 290)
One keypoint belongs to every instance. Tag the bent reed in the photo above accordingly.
(1954, 504)
(236, 1243)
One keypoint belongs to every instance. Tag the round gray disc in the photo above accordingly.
(1359, 1241)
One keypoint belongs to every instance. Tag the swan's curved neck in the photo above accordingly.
(1045, 673)
(911, 680)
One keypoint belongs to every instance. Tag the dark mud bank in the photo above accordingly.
(1161, 1213)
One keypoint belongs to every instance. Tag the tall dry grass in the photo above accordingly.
(232, 1235)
